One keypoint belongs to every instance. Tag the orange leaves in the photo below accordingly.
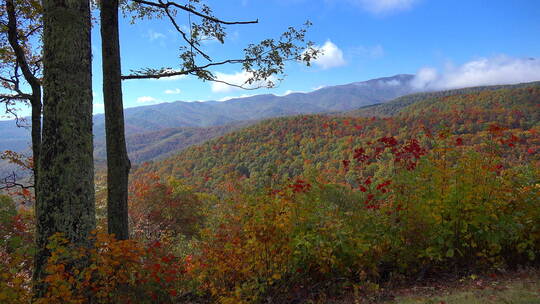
(113, 271)
(159, 208)
(496, 129)
(17, 159)
(248, 250)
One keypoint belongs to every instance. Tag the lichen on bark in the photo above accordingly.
(66, 185)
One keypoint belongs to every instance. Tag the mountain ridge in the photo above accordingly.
(287, 146)
(152, 118)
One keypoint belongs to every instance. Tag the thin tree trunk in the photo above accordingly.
(35, 85)
(66, 176)
(118, 164)
(36, 132)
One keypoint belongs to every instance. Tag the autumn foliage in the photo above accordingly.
(296, 208)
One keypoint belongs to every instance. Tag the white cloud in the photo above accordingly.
(391, 83)
(148, 100)
(236, 97)
(385, 6)
(98, 107)
(153, 35)
(425, 78)
(483, 71)
(238, 79)
(173, 92)
(331, 56)
(289, 92)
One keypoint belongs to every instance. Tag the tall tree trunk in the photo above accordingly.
(36, 132)
(118, 164)
(66, 176)
(35, 85)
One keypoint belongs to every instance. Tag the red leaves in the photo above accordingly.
(369, 203)
(367, 181)
(382, 186)
(459, 141)
(389, 142)
(409, 153)
(360, 155)
(300, 186)
(510, 141)
(495, 129)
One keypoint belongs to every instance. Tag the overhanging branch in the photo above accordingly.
(166, 5)
(183, 72)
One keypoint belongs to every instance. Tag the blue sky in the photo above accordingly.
(448, 44)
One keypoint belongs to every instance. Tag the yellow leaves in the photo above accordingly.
(111, 271)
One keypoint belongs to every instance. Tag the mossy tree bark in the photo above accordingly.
(118, 164)
(66, 183)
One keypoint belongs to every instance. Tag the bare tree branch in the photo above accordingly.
(10, 182)
(14, 42)
(166, 5)
(165, 72)
(189, 41)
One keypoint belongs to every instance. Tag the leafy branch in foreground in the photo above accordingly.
(261, 61)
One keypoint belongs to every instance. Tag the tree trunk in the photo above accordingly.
(35, 85)
(118, 164)
(36, 132)
(66, 176)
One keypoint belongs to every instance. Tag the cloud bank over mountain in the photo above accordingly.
(480, 72)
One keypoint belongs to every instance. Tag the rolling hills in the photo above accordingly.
(166, 117)
(152, 145)
(283, 148)
(393, 107)
(214, 113)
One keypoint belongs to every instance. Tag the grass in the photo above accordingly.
(517, 288)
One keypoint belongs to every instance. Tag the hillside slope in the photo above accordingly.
(147, 121)
(285, 147)
(154, 145)
(214, 113)
(393, 107)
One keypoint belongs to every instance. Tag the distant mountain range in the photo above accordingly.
(159, 130)
(216, 113)
(277, 149)
(167, 117)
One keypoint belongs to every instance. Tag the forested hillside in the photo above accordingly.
(242, 152)
(155, 131)
(393, 107)
(158, 144)
(450, 184)
(285, 147)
